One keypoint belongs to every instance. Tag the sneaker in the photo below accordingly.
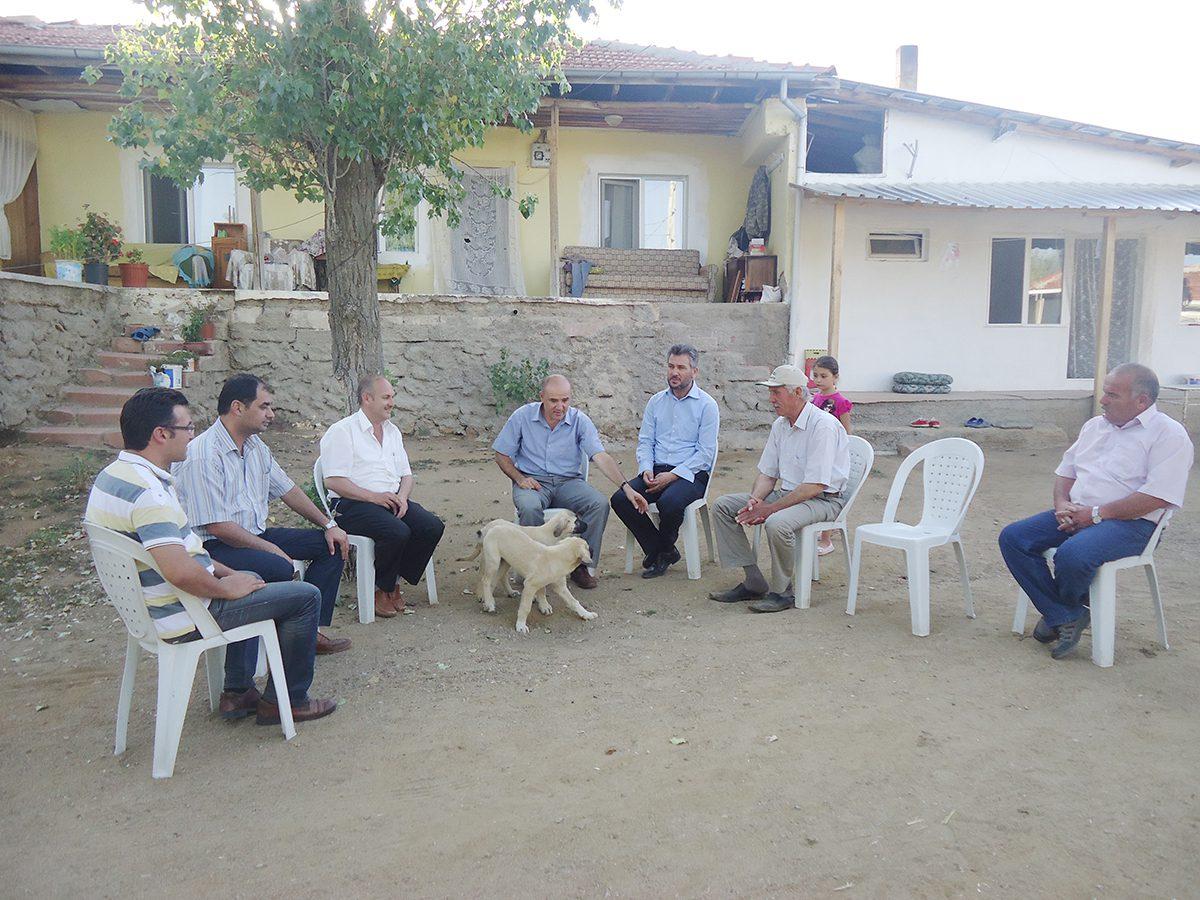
(1043, 633)
(1069, 635)
(774, 602)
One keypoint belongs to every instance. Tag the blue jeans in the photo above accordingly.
(294, 606)
(1060, 596)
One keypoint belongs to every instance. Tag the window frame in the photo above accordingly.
(682, 243)
(921, 234)
(1183, 312)
(1063, 319)
(420, 238)
(190, 237)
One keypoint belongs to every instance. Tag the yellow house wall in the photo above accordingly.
(77, 165)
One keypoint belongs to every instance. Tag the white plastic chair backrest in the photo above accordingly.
(319, 481)
(1156, 536)
(713, 470)
(862, 458)
(953, 468)
(116, 557)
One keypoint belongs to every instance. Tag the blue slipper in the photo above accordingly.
(977, 422)
(145, 333)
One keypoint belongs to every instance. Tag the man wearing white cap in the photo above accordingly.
(802, 473)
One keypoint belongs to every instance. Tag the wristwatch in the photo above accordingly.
(330, 524)
(1096, 515)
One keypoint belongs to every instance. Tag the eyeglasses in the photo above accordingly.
(190, 428)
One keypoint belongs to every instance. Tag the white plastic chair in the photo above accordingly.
(551, 510)
(116, 558)
(953, 468)
(806, 565)
(689, 532)
(364, 561)
(1102, 598)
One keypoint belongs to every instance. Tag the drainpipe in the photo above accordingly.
(800, 113)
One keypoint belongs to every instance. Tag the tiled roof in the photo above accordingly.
(614, 56)
(27, 31)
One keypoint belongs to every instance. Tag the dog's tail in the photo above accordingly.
(478, 548)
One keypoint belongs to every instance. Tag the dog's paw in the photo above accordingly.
(586, 614)
(545, 608)
(514, 593)
(522, 628)
(489, 607)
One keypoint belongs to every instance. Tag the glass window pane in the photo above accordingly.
(216, 201)
(663, 226)
(619, 223)
(1008, 281)
(1191, 283)
(1044, 303)
(166, 211)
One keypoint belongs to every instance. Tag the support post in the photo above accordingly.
(256, 240)
(1104, 313)
(555, 273)
(835, 276)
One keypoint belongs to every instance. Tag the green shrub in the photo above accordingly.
(516, 383)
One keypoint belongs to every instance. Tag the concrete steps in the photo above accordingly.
(75, 436)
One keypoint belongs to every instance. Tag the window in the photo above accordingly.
(1027, 281)
(1191, 283)
(398, 246)
(844, 138)
(643, 212)
(176, 216)
(890, 245)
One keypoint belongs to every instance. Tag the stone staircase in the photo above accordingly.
(88, 413)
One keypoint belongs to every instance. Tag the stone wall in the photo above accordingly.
(439, 349)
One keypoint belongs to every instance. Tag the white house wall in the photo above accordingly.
(931, 315)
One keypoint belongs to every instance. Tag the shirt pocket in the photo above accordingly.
(1127, 463)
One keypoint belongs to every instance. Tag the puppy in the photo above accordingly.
(542, 567)
(563, 523)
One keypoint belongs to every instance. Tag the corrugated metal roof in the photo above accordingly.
(1022, 195)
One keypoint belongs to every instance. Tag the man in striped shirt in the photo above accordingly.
(135, 496)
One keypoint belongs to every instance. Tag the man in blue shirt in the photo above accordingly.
(677, 446)
(542, 449)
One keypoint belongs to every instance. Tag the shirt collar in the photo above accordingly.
(694, 392)
(1143, 418)
(802, 419)
(137, 459)
(224, 440)
(361, 421)
(536, 415)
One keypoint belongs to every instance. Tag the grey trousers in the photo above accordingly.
(574, 494)
(733, 547)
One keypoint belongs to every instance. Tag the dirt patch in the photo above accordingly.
(673, 746)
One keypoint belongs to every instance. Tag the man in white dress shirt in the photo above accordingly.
(370, 484)
(1124, 471)
(802, 473)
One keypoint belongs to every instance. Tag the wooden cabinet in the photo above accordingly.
(746, 275)
(227, 236)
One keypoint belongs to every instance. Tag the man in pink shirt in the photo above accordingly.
(1126, 469)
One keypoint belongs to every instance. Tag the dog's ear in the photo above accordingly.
(560, 526)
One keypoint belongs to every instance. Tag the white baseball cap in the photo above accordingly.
(786, 376)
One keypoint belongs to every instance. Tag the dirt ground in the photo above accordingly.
(671, 747)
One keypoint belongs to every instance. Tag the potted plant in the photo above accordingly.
(135, 272)
(102, 245)
(200, 325)
(67, 246)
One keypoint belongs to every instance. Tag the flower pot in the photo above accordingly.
(68, 270)
(208, 331)
(135, 274)
(95, 272)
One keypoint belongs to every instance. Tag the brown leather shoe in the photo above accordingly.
(383, 604)
(583, 578)
(268, 713)
(237, 706)
(397, 597)
(326, 644)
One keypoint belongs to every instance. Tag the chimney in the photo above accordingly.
(906, 67)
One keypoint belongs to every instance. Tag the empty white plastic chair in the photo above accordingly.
(116, 558)
(953, 468)
(688, 531)
(1102, 598)
(806, 566)
(364, 561)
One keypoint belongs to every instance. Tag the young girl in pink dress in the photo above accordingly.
(824, 377)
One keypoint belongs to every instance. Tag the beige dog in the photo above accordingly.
(563, 523)
(543, 568)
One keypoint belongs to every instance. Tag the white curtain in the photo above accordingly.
(480, 257)
(18, 149)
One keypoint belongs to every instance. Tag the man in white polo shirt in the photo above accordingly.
(802, 472)
(1125, 470)
(370, 484)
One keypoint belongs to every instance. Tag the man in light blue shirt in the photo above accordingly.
(677, 446)
(543, 449)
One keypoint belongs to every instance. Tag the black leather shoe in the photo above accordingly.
(1043, 633)
(648, 560)
(735, 595)
(774, 602)
(662, 562)
(1069, 635)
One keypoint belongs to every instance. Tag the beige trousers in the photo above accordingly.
(733, 547)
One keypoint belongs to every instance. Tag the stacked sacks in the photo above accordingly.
(920, 383)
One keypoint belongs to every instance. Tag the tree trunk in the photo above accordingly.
(350, 251)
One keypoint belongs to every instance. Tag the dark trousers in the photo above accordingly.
(1060, 596)
(671, 502)
(308, 544)
(403, 545)
(294, 607)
